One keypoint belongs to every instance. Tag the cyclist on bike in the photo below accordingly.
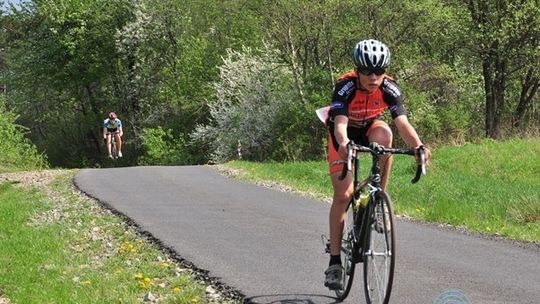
(360, 97)
(113, 125)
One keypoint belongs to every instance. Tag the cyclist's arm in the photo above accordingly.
(104, 133)
(119, 127)
(339, 113)
(408, 133)
(340, 132)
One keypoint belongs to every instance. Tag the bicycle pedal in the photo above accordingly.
(326, 243)
(327, 248)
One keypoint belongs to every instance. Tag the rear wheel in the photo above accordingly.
(379, 253)
(348, 247)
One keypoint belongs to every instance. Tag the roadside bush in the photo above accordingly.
(18, 152)
(300, 134)
(444, 103)
(162, 148)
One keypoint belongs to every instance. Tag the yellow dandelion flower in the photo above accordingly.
(86, 282)
(177, 290)
(126, 247)
(139, 276)
(147, 280)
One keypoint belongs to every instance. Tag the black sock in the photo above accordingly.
(335, 259)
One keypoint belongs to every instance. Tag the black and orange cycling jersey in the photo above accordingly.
(363, 107)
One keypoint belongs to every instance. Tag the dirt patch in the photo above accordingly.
(30, 178)
(4, 301)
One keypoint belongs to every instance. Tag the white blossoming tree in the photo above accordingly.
(254, 88)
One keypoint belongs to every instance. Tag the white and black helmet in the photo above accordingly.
(371, 54)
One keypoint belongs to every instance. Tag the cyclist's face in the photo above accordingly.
(370, 82)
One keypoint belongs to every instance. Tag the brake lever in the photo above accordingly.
(421, 168)
(347, 166)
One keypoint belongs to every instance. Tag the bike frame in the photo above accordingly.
(373, 180)
(357, 237)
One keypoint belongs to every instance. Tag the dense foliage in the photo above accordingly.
(199, 81)
(18, 153)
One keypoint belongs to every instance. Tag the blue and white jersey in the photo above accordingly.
(109, 124)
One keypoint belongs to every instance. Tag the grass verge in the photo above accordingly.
(491, 188)
(57, 246)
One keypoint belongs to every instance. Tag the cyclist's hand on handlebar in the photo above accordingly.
(427, 154)
(422, 155)
(343, 150)
(345, 157)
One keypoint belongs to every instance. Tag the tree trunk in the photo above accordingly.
(294, 65)
(529, 87)
(494, 82)
(488, 88)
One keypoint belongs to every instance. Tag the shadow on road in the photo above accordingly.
(291, 299)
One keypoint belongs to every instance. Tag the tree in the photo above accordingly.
(530, 83)
(313, 37)
(62, 58)
(506, 36)
(253, 88)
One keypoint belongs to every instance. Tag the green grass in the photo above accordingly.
(492, 188)
(24, 251)
(58, 247)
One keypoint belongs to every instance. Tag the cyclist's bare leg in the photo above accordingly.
(381, 133)
(118, 141)
(109, 143)
(342, 194)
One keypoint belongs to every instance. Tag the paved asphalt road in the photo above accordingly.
(267, 244)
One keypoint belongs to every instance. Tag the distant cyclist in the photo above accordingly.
(113, 126)
(360, 98)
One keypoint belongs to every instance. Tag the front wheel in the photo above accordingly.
(114, 151)
(380, 249)
(348, 247)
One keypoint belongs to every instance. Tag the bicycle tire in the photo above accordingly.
(379, 254)
(114, 153)
(348, 246)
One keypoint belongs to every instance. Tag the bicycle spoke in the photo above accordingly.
(380, 254)
(378, 274)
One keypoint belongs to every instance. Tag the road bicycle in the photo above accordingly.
(114, 149)
(370, 231)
